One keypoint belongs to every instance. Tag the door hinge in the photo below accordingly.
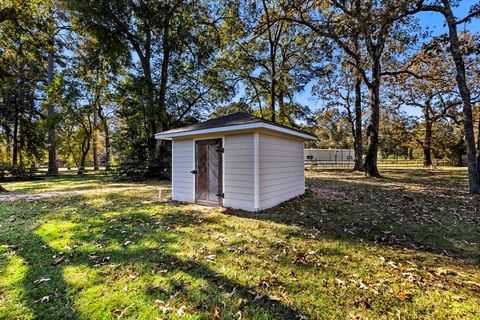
(194, 171)
(222, 150)
(221, 195)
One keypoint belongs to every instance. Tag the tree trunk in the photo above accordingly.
(94, 138)
(52, 144)
(163, 91)
(357, 137)
(472, 156)
(370, 165)
(281, 108)
(272, 41)
(15, 134)
(157, 123)
(152, 127)
(281, 103)
(427, 145)
(272, 96)
(85, 150)
(478, 150)
(107, 149)
(106, 132)
(357, 132)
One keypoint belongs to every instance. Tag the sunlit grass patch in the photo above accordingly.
(12, 273)
(353, 247)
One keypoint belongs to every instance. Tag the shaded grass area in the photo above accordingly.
(404, 246)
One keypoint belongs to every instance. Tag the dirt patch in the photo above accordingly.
(328, 194)
(11, 196)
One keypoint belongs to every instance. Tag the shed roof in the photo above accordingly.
(232, 122)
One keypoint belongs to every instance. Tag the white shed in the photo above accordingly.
(237, 161)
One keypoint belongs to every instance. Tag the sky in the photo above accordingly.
(431, 20)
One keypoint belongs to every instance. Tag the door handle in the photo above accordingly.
(194, 171)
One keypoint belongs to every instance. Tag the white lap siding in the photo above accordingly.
(238, 172)
(281, 170)
(182, 165)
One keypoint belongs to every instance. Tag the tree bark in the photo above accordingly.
(85, 150)
(152, 127)
(15, 134)
(107, 149)
(357, 134)
(478, 150)
(370, 164)
(94, 137)
(106, 132)
(281, 105)
(427, 145)
(52, 144)
(272, 95)
(357, 137)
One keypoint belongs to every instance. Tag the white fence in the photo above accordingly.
(344, 159)
(328, 155)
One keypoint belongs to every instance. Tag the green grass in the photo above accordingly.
(356, 249)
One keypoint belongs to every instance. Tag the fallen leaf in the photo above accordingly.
(340, 282)
(362, 285)
(58, 261)
(229, 295)
(181, 311)
(404, 295)
(216, 312)
(41, 280)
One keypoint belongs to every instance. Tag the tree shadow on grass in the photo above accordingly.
(45, 290)
(428, 179)
(89, 244)
(100, 232)
(379, 214)
(164, 231)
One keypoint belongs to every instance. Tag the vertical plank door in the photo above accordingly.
(208, 180)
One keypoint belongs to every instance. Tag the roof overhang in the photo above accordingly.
(249, 126)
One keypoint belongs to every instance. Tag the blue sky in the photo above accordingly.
(435, 23)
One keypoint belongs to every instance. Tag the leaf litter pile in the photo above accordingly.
(405, 246)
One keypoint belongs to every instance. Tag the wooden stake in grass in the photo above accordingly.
(163, 194)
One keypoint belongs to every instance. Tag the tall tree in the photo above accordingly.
(338, 89)
(55, 25)
(22, 66)
(52, 143)
(457, 50)
(271, 59)
(429, 86)
(394, 133)
(378, 22)
(274, 32)
(169, 45)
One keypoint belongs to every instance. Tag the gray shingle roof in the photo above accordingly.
(226, 121)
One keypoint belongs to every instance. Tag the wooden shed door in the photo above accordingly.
(208, 180)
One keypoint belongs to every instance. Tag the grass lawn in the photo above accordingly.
(401, 247)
